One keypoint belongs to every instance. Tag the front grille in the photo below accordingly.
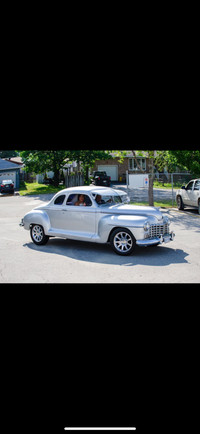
(156, 230)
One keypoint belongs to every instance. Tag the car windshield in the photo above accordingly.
(107, 199)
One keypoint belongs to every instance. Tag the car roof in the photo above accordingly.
(86, 189)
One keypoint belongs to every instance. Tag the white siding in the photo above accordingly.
(8, 175)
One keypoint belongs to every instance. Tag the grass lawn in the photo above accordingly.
(161, 204)
(27, 188)
(157, 184)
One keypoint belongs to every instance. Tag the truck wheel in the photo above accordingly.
(38, 236)
(122, 241)
(180, 203)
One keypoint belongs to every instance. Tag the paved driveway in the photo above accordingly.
(63, 261)
(141, 194)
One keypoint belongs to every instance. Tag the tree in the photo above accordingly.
(186, 160)
(53, 160)
(87, 159)
(42, 161)
(8, 154)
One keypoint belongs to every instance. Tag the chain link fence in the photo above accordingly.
(171, 181)
(164, 187)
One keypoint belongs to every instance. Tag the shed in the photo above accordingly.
(11, 171)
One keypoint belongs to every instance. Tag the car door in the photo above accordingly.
(187, 194)
(79, 222)
(196, 192)
(54, 212)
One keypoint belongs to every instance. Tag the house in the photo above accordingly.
(117, 170)
(9, 170)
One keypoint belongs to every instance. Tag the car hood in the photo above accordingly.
(136, 210)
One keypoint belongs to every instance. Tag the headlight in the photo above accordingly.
(146, 226)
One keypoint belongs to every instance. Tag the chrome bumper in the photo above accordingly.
(157, 240)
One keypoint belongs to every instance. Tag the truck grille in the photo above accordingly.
(156, 230)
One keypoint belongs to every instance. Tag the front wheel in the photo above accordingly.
(38, 236)
(122, 241)
(199, 207)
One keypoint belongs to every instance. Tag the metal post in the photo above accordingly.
(127, 181)
(172, 188)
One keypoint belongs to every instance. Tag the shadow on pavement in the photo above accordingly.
(103, 254)
(185, 220)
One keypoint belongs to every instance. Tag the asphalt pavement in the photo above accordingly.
(68, 261)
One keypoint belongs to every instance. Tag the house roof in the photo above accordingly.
(16, 160)
(7, 165)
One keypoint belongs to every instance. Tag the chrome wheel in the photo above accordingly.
(38, 236)
(122, 241)
(37, 233)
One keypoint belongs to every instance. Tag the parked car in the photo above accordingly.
(189, 195)
(101, 178)
(104, 217)
(48, 181)
(7, 186)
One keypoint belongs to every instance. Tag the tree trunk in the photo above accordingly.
(150, 192)
(56, 178)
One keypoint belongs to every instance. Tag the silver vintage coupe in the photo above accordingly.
(100, 215)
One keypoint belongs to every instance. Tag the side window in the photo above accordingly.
(190, 185)
(72, 198)
(59, 200)
(197, 185)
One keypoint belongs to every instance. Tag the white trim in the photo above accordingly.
(140, 163)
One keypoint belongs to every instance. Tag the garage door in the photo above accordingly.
(8, 175)
(111, 171)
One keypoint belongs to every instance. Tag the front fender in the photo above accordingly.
(133, 223)
(37, 217)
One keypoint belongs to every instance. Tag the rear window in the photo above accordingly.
(59, 200)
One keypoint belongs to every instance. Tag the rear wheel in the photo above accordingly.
(199, 207)
(122, 241)
(38, 236)
(180, 203)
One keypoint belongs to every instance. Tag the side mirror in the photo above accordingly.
(183, 187)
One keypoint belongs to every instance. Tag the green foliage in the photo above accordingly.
(53, 160)
(186, 160)
(8, 154)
